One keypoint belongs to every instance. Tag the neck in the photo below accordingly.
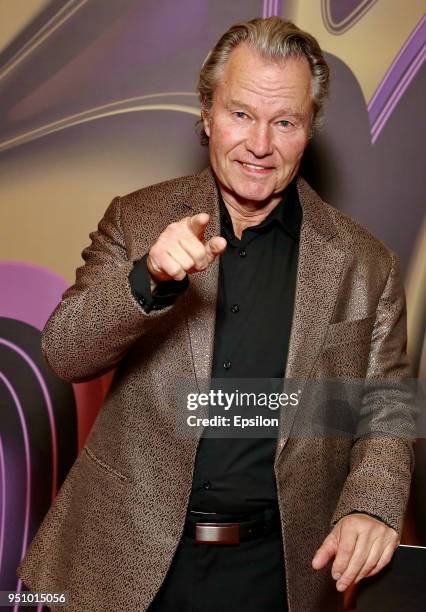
(247, 214)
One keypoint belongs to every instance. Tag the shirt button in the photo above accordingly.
(226, 365)
(207, 485)
(242, 253)
(235, 308)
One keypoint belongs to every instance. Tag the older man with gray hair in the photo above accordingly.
(239, 272)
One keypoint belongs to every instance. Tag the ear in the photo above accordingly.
(206, 121)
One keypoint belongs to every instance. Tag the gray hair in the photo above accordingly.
(273, 38)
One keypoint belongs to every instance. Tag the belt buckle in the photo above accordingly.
(217, 533)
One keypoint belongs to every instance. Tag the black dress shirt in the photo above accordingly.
(257, 279)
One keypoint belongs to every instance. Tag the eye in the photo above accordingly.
(240, 115)
(285, 123)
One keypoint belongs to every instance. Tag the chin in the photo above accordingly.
(253, 191)
(257, 195)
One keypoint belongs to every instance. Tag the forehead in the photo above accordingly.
(249, 74)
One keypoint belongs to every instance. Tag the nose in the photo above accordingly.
(259, 140)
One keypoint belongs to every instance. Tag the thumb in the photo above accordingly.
(325, 552)
(198, 223)
(215, 246)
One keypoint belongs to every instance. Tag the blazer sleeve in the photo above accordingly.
(382, 456)
(98, 318)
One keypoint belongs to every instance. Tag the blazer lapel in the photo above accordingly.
(202, 294)
(320, 266)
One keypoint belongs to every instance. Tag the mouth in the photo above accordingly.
(255, 168)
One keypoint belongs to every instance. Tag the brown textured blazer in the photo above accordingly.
(110, 535)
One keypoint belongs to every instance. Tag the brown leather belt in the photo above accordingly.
(205, 531)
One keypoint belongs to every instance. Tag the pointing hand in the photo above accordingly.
(181, 249)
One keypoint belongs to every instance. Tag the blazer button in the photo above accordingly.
(235, 308)
(207, 485)
(242, 253)
(226, 365)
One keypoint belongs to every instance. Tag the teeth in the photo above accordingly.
(253, 166)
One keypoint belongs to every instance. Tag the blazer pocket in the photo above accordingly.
(103, 467)
(345, 332)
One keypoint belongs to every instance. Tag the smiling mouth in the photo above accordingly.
(255, 167)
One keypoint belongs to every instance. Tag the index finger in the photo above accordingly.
(355, 564)
(198, 223)
(345, 549)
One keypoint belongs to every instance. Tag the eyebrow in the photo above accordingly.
(283, 111)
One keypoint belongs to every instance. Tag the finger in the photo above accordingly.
(215, 246)
(181, 256)
(385, 558)
(155, 270)
(372, 559)
(325, 552)
(357, 560)
(169, 268)
(345, 548)
(152, 265)
(196, 250)
(198, 223)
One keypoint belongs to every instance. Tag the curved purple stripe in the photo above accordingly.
(397, 95)
(15, 398)
(345, 11)
(347, 18)
(379, 103)
(271, 7)
(266, 4)
(2, 501)
(49, 407)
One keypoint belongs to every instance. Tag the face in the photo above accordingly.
(258, 126)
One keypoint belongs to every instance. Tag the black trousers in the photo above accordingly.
(248, 577)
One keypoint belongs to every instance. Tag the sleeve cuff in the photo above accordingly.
(165, 293)
(375, 516)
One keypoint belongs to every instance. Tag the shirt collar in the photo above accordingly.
(288, 213)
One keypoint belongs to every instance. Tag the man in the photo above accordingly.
(218, 274)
